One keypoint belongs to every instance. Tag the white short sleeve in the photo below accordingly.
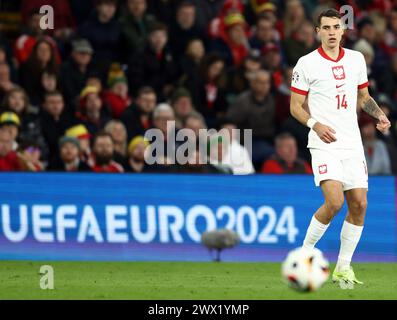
(362, 77)
(299, 81)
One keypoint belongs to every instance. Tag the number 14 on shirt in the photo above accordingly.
(341, 100)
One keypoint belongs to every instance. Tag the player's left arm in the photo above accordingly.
(369, 105)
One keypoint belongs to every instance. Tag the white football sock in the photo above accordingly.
(314, 233)
(349, 238)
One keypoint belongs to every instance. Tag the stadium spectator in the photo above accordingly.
(286, 160)
(303, 43)
(209, 89)
(92, 112)
(119, 134)
(234, 44)
(217, 147)
(239, 77)
(135, 25)
(41, 59)
(30, 152)
(206, 11)
(272, 61)
(30, 129)
(76, 70)
(184, 28)
(237, 157)
(69, 159)
(367, 50)
(137, 118)
(264, 33)
(6, 83)
(181, 102)
(376, 153)
(54, 121)
(293, 18)
(136, 155)
(255, 109)
(155, 66)
(81, 133)
(10, 122)
(117, 97)
(11, 160)
(103, 152)
(103, 31)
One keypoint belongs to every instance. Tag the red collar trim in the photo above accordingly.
(326, 56)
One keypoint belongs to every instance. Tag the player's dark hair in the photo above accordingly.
(329, 13)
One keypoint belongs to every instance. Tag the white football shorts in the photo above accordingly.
(346, 166)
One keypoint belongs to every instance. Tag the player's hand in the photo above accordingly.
(383, 124)
(325, 133)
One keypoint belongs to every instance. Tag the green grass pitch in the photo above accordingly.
(181, 281)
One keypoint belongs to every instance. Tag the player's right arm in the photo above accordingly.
(298, 111)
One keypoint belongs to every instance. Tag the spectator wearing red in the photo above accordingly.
(103, 151)
(117, 97)
(10, 122)
(234, 44)
(9, 160)
(285, 160)
(43, 58)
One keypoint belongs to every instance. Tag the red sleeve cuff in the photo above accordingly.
(364, 85)
(296, 90)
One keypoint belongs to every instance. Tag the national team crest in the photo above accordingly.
(322, 169)
(339, 72)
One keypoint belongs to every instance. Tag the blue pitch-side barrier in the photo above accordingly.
(48, 216)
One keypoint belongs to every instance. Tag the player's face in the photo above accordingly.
(330, 32)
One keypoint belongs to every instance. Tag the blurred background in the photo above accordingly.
(80, 97)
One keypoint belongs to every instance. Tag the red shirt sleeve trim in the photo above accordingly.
(296, 90)
(364, 85)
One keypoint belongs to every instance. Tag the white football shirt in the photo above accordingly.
(331, 86)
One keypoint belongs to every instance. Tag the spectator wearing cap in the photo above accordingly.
(286, 160)
(119, 134)
(184, 28)
(16, 100)
(117, 97)
(239, 77)
(54, 121)
(155, 66)
(181, 102)
(92, 112)
(135, 25)
(10, 122)
(136, 155)
(76, 70)
(103, 31)
(81, 133)
(261, 8)
(255, 109)
(234, 44)
(137, 118)
(375, 150)
(69, 159)
(103, 152)
(237, 157)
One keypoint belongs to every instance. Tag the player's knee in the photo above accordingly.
(334, 206)
(358, 206)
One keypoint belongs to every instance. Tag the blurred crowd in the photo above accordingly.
(80, 96)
